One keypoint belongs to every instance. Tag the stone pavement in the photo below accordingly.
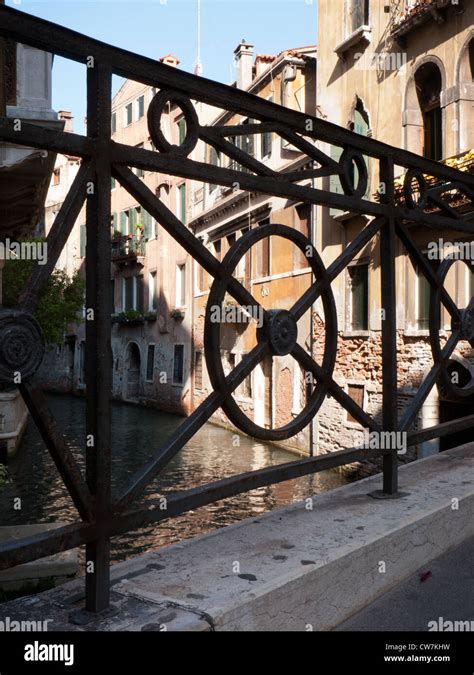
(444, 588)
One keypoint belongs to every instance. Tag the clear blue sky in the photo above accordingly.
(158, 27)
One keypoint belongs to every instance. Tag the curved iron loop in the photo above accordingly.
(350, 157)
(278, 333)
(22, 346)
(154, 116)
(466, 330)
(410, 176)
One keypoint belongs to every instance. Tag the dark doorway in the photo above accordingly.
(451, 409)
(132, 372)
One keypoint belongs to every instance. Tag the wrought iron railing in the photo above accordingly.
(416, 12)
(103, 515)
(127, 247)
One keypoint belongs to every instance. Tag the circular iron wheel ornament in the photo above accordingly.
(411, 176)
(349, 158)
(22, 345)
(279, 332)
(154, 116)
(466, 326)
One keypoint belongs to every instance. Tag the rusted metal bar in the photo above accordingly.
(35, 136)
(306, 362)
(314, 291)
(70, 44)
(418, 259)
(3, 91)
(187, 429)
(105, 158)
(181, 233)
(428, 383)
(441, 430)
(26, 549)
(187, 500)
(388, 254)
(62, 456)
(98, 336)
(57, 238)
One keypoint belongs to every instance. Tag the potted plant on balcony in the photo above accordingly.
(130, 317)
(177, 313)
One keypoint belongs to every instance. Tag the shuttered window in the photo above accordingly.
(124, 222)
(423, 292)
(147, 222)
(182, 202)
(181, 131)
(360, 13)
(335, 183)
(178, 364)
(140, 289)
(356, 392)
(303, 224)
(198, 370)
(128, 114)
(150, 363)
(263, 255)
(141, 106)
(359, 296)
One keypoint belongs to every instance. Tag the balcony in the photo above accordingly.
(128, 249)
(454, 198)
(408, 15)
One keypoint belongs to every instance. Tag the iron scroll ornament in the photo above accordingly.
(464, 324)
(279, 332)
(22, 346)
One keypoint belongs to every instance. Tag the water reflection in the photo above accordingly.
(137, 432)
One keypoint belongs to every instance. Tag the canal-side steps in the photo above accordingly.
(306, 567)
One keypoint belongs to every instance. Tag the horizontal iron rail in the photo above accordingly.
(62, 539)
(178, 503)
(441, 430)
(26, 549)
(51, 37)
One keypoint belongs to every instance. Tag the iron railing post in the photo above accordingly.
(389, 327)
(98, 337)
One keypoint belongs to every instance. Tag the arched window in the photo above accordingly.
(428, 88)
(471, 58)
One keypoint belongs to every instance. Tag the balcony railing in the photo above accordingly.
(406, 15)
(127, 248)
(454, 198)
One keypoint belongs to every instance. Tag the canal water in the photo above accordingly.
(137, 432)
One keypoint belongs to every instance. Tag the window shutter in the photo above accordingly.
(182, 131)
(123, 222)
(182, 195)
(335, 183)
(147, 225)
(133, 220)
(361, 127)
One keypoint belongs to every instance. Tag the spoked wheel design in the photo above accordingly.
(278, 334)
(462, 324)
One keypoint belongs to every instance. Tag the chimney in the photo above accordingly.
(244, 60)
(68, 119)
(170, 60)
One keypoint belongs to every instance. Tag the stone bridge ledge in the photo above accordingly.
(291, 569)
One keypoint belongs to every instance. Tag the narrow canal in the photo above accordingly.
(137, 432)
